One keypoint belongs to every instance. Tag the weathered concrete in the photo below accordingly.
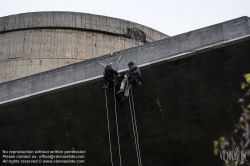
(182, 106)
(182, 45)
(73, 20)
(36, 42)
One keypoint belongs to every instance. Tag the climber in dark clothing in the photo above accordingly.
(108, 75)
(132, 77)
(134, 71)
(111, 79)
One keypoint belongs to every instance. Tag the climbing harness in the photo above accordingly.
(132, 110)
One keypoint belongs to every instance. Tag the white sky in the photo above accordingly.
(171, 17)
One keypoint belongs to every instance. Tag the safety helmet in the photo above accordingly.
(131, 63)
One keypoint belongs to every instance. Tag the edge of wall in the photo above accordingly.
(74, 20)
(179, 46)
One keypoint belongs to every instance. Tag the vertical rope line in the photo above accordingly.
(128, 123)
(136, 127)
(117, 129)
(110, 149)
(133, 129)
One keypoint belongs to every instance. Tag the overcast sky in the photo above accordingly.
(171, 17)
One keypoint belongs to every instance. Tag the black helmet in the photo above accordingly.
(131, 63)
(108, 66)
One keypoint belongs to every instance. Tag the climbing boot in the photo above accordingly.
(120, 91)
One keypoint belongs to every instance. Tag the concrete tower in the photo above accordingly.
(31, 43)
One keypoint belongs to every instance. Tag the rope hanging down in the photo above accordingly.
(108, 128)
(135, 129)
(116, 130)
(132, 110)
(117, 126)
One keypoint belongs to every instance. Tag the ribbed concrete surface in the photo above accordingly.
(74, 20)
(32, 51)
(35, 42)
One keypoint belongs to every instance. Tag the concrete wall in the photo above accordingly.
(35, 42)
(182, 106)
(186, 44)
(180, 109)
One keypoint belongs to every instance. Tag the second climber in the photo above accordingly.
(132, 78)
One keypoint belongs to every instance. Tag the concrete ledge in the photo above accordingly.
(180, 46)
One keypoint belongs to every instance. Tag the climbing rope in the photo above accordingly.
(135, 129)
(117, 130)
(132, 110)
(138, 145)
(108, 128)
(136, 148)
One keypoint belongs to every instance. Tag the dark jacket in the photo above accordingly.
(134, 70)
(109, 72)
